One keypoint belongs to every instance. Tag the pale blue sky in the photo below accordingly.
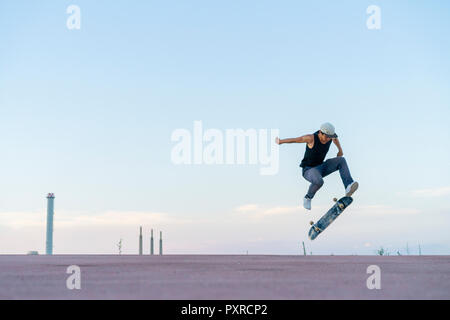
(88, 114)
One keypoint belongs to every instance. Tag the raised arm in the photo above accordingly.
(309, 138)
(338, 145)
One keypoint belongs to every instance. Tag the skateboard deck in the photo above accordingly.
(329, 217)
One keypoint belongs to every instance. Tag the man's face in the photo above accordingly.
(323, 138)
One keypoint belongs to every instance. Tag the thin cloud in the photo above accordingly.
(22, 219)
(432, 192)
(109, 218)
(247, 208)
(376, 210)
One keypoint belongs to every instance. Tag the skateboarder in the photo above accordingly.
(314, 168)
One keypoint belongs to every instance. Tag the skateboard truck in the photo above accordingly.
(317, 229)
(340, 204)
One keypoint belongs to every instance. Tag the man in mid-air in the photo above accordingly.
(314, 168)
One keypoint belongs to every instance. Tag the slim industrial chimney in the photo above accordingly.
(140, 242)
(160, 243)
(151, 243)
(50, 213)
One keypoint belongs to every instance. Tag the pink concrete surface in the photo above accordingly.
(224, 277)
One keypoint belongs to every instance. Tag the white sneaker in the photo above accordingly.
(307, 203)
(351, 188)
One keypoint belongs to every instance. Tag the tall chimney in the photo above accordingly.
(50, 213)
(151, 244)
(160, 243)
(140, 241)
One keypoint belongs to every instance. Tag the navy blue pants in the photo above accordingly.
(315, 175)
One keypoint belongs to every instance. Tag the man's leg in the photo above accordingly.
(338, 163)
(313, 175)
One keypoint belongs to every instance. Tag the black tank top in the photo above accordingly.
(315, 156)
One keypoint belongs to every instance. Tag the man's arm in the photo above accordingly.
(338, 145)
(309, 138)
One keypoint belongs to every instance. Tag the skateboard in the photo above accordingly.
(329, 217)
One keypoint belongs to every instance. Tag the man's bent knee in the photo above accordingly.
(341, 160)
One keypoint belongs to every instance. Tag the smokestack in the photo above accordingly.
(140, 242)
(151, 244)
(160, 243)
(50, 213)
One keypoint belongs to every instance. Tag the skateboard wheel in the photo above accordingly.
(341, 206)
(335, 199)
(311, 222)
